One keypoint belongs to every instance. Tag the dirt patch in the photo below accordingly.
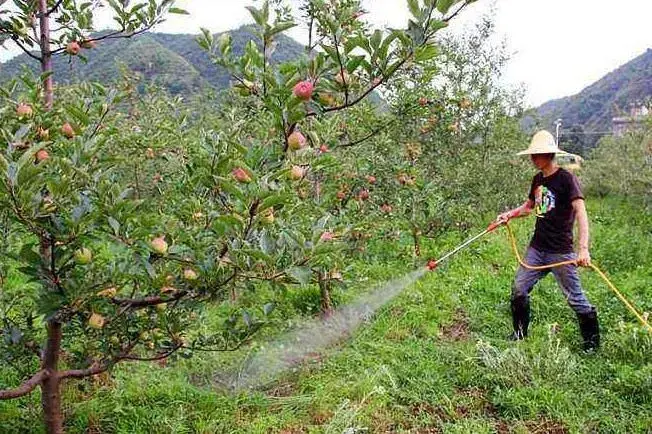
(321, 417)
(540, 426)
(479, 403)
(502, 427)
(458, 329)
(430, 411)
(546, 426)
(293, 430)
(397, 335)
(282, 390)
(396, 311)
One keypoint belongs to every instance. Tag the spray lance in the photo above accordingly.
(434, 263)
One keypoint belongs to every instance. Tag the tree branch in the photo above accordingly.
(118, 34)
(367, 92)
(24, 388)
(465, 4)
(368, 136)
(54, 8)
(339, 60)
(25, 50)
(148, 301)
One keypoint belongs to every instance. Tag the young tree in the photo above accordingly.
(116, 272)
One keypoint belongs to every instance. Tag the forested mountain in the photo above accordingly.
(173, 61)
(591, 110)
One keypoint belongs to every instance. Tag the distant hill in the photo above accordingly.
(592, 109)
(174, 61)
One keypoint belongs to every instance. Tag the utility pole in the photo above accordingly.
(558, 124)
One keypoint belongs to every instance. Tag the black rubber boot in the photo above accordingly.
(590, 329)
(520, 317)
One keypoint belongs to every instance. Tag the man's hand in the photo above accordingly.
(584, 258)
(506, 216)
(502, 218)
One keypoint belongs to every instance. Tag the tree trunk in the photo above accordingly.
(46, 55)
(325, 296)
(50, 387)
(417, 244)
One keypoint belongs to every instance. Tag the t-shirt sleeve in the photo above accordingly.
(574, 188)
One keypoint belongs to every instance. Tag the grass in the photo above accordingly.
(434, 360)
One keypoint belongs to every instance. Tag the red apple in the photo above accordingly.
(42, 155)
(241, 175)
(73, 48)
(159, 245)
(24, 110)
(43, 134)
(96, 321)
(296, 141)
(342, 77)
(297, 172)
(327, 236)
(268, 216)
(67, 130)
(303, 90)
(83, 256)
(189, 274)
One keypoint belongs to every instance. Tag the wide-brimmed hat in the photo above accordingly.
(543, 143)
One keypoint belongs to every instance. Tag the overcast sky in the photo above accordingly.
(559, 46)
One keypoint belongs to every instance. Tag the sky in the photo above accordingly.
(558, 47)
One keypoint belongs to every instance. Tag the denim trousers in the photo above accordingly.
(567, 277)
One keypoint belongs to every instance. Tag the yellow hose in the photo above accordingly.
(512, 239)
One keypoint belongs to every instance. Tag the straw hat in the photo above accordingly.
(543, 143)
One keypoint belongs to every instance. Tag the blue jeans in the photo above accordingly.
(567, 277)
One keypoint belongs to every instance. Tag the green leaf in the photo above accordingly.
(444, 5)
(303, 275)
(413, 5)
(268, 308)
(28, 255)
(281, 27)
(376, 39)
(267, 243)
(436, 25)
(115, 225)
(178, 11)
(257, 15)
(271, 201)
(4, 165)
(425, 52)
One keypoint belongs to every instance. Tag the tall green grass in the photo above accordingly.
(434, 360)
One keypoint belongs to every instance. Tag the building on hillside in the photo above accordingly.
(634, 121)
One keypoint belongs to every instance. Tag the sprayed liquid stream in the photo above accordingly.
(313, 336)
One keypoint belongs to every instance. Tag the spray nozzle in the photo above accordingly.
(432, 264)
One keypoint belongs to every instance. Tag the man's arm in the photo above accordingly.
(522, 211)
(583, 256)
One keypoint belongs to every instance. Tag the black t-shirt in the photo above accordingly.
(553, 197)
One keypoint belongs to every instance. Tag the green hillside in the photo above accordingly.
(174, 61)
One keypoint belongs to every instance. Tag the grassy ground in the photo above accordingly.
(434, 360)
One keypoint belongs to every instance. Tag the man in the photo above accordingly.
(557, 200)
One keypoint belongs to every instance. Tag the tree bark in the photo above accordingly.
(417, 244)
(50, 387)
(325, 295)
(46, 54)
